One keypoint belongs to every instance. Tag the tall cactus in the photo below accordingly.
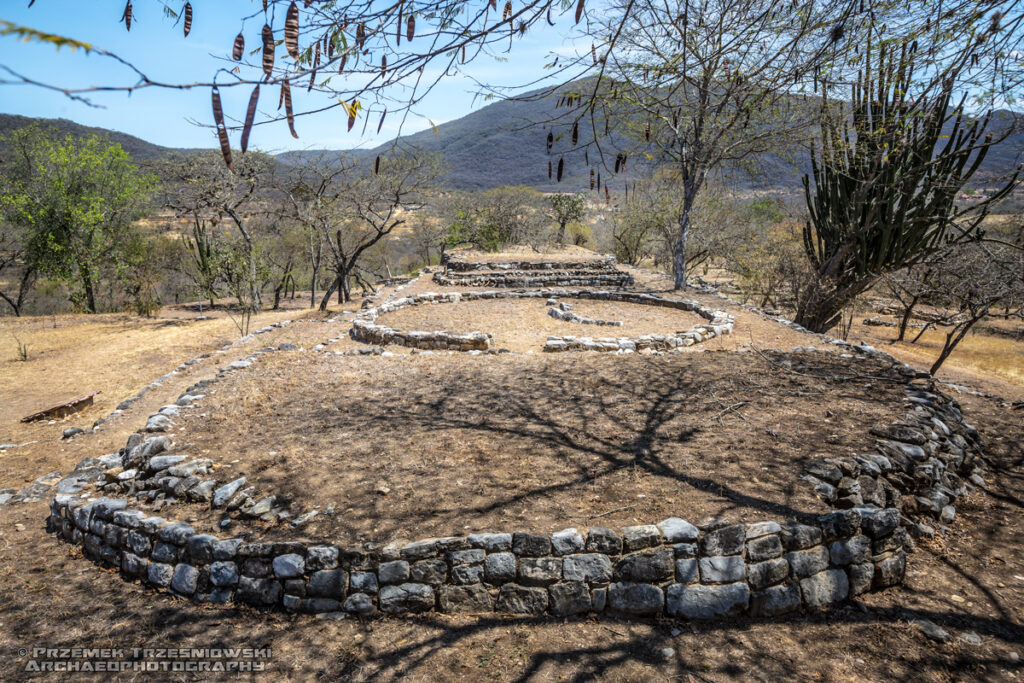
(886, 177)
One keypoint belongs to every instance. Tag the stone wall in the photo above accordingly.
(459, 265)
(365, 329)
(672, 568)
(561, 278)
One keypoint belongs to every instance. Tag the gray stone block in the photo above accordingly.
(805, 563)
(825, 588)
(570, 597)
(321, 557)
(471, 556)
(258, 591)
(589, 567)
(861, 577)
(642, 536)
(470, 598)
(686, 571)
(722, 569)
(759, 529)
(889, 571)
(361, 604)
(646, 566)
(223, 573)
(530, 545)
(764, 548)
(393, 572)
(419, 550)
(362, 582)
(676, 530)
(566, 542)
(725, 541)
(854, 550)
(603, 540)
(764, 574)
(797, 536)
(707, 602)
(431, 571)
(289, 565)
(880, 522)
(185, 579)
(539, 571)
(636, 598)
(514, 599)
(492, 543)
(406, 597)
(685, 550)
(327, 583)
(840, 524)
(467, 574)
(500, 567)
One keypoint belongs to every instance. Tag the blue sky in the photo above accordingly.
(158, 48)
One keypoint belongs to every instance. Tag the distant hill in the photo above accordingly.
(137, 148)
(497, 145)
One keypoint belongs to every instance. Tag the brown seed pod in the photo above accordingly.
(607, 195)
(268, 50)
(280, 98)
(380, 123)
(494, 4)
(250, 116)
(591, 179)
(647, 132)
(551, 141)
(586, 157)
(561, 164)
(376, 165)
(579, 10)
(410, 27)
(351, 116)
(598, 181)
(549, 169)
(361, 35)
(383, 65)
(188, 18)
(618, 160)
(575, 132)
(316, 65)
(288, 108)
(506, 13)
(291, 31)
(222, 131)
(126, 16)
(341, 66)
(463, 54)
(238, 49)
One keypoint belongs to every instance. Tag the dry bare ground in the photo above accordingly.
(970, 580)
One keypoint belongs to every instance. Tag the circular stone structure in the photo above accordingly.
(671, 568)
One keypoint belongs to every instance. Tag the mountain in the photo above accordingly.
(504, 143)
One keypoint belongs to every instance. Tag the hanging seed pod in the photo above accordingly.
(380, 123)
(550, 23)
(288, 108)
(506, 12)
(383, 65)
(647, 132)
(126, 16)
(463, 54)
(575, 132)
(291, 31)
(376, 165)
(398, 27)
(280, 98)
(607, 196)
(550, 141)
(238, 49)
(351, 116)
(330, 47)
(579, 10)
(250, 116)
(361, 35)
(586, 157)
(623, 162)
(549, 169)
(341, 66)
(222, 131)
(618, 160)
(264, 6)
(494, 5)
(268, 50)
(366, 122)
(410, 28)
(316, 65)
(561, 164)
(591, 179)
(188, 18)
(598, 181)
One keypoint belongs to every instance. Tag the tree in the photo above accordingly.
(498, 217)
(15, 267)
(565, 209)
(209, 195)
(352, 208)
(78, 200)
(886, 178)
(972, 280)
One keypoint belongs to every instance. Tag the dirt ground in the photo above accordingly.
(422, 446)
(972, 581)
(969, 580)
(524, 324)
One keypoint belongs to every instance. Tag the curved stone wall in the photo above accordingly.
(365, 329)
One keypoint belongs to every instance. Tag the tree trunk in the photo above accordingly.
(561, 233)
(312, 286)
(90, 296)
(679, 252)
(952, 339)
(327, 295)
(905, 320)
